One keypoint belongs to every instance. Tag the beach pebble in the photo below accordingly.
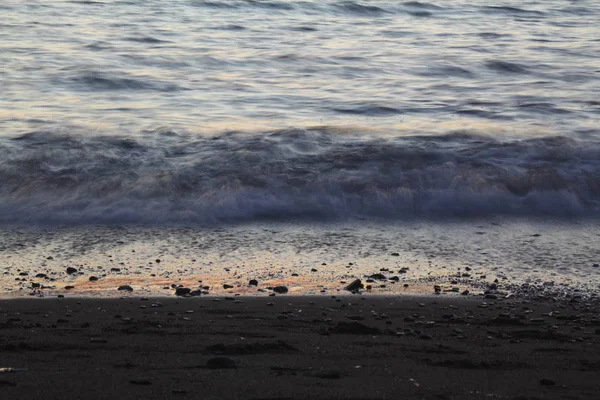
(226, 286)
(93, 278)
(71, 270)
(182, 291)
(253, 282)
(125, 288)
(280, 289)
(354, 285)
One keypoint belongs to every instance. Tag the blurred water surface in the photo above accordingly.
(524, 67)
(209, 110)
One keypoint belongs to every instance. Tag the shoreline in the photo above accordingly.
(297, 347)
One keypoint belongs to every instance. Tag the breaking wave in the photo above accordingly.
(168, 177)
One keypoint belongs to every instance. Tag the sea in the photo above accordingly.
(300, 142)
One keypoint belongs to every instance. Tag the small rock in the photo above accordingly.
(395, 254)
(226, 286)
(93, 278)
(253, 282)
(71, 270)
(125, 288)
(354, 285)
(182, 291)
(280, 289)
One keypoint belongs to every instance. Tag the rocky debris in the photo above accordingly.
(354, 286)
(182, 291)
(40, 275)
(195, 293)
(354, 328)
(226, 286)
(125, 288)
(253, 282)
(93, 278)
(69, 287)
(437, 288)
(280, 289)
(71, 270)
(395, 254)
(379, 277)
(221, 363)
(115, 270)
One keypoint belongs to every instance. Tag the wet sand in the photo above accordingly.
(289, 347)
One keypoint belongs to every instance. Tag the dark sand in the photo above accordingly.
(352, 347)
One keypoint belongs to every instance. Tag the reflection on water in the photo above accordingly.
(121, 66)
(308, 258)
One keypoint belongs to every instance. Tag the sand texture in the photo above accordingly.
(284, 347)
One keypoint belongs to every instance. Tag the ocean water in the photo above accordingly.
(426, 117)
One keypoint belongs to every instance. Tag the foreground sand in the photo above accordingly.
(286, 347)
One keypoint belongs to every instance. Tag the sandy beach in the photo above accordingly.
(291, 347)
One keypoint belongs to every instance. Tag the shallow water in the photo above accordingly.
(309, 258)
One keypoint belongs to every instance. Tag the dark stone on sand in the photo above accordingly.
(23, 273)
(354, 328)
(354, 285)
(69, 287)
(93, 278)
(596, 265)
(115, 270)
(125, 288)
(182, 291)
(41, 276)
(226, 286)
(71, 270)
(395, 254)
(437, 288)
(196, 293)
(547, 382)
(280, 289)
(253, 282)
(380, 277)
(221, 363)
(313, 270)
